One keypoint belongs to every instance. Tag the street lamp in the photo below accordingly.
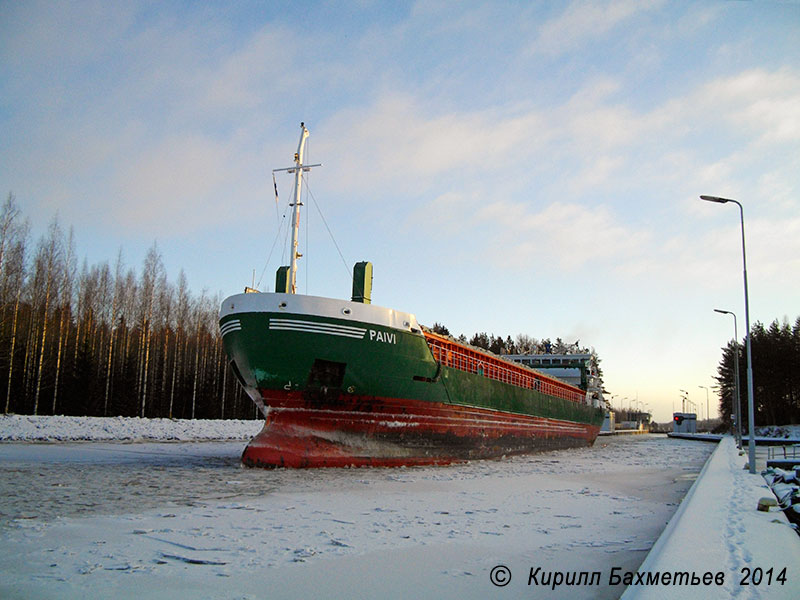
(708, 414)
(751, 438)
(737, 405)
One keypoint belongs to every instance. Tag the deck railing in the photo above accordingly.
(458, 357)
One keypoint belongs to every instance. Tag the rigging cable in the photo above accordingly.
(274, 241)
(308, 219)
(344, 262)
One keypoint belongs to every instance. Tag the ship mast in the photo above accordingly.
(298, 171)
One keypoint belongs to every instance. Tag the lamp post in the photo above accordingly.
(708, 414)
(751, 438)
(737, 403)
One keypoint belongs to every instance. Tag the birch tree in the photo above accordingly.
(9, 231)
(48, 257)
(103, 341)
(182, 308)
(13, 280)
(151, 274)
(65, 292)
(113, 323)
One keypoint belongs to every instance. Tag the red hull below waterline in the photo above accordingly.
(361, 431)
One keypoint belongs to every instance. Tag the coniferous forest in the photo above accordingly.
(775, 355)
(105, 339)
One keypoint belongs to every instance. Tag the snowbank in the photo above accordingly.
(775, 431)
(26, 428)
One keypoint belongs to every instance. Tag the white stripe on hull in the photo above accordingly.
(313, 327)
(233, 325)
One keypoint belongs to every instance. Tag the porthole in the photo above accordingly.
(282, 305)
(346, 311)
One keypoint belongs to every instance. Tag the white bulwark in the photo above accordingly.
(296, 304)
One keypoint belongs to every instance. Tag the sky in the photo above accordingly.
(507, 167)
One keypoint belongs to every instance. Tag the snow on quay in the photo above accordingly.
(717, 533)
(26, 428)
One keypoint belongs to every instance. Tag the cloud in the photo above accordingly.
(764, 102)
(570, 236)
(583, 22)
(399, 137)
(135, 122)
(254, 75)
(758, 105)
(169, 186)
(47, 39)
(593, 182)
(177, 120)
(595, 134)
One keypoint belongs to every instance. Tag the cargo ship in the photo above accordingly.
(347, 383)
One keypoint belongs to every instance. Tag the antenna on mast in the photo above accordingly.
(298, 171)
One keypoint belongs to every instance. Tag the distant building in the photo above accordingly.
(684, 423)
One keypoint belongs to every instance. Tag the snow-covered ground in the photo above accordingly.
(779, 431)
(115, 507)
(160, 520)
(27, 428)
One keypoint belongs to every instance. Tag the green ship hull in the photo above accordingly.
(346, 383)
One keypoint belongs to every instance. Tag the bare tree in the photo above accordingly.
(13, 278)
(9, 233)
(525, 344)
(48, 264)
(65, 292)
(151, 274)
(166, 299)
(113, 322)
(183, 308)
(198, 328)
(104, 342)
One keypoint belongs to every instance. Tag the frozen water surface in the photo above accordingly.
(157, 520)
